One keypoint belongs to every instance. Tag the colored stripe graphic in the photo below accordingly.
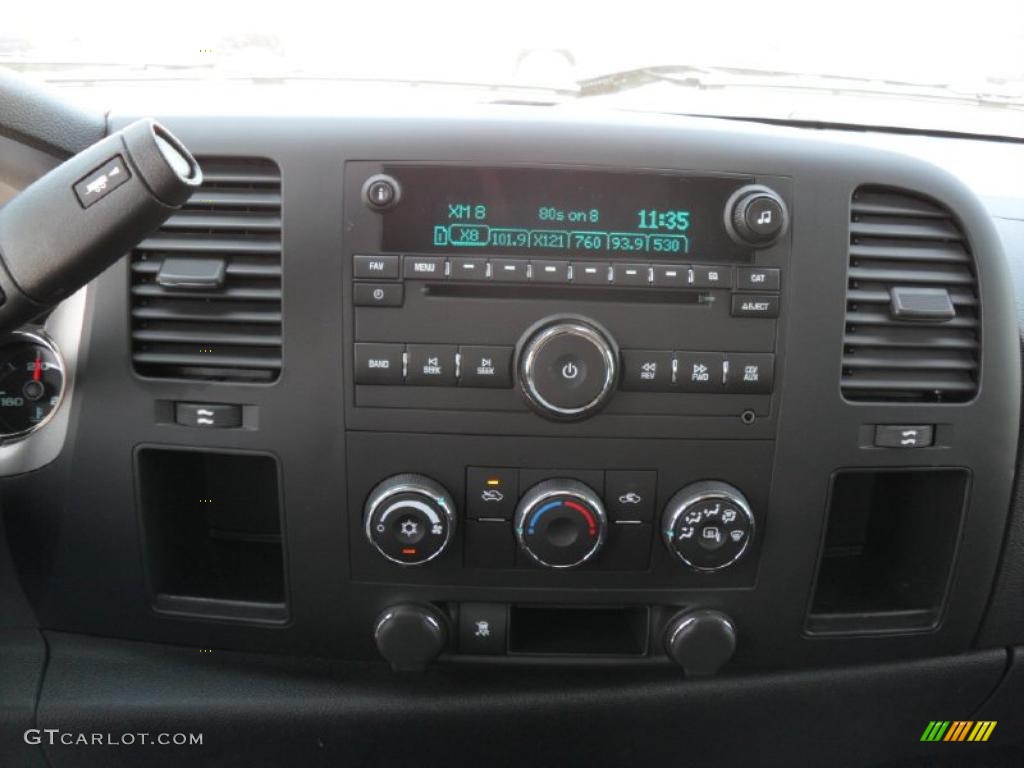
(958, 731)
(935, 730)
(982, 730)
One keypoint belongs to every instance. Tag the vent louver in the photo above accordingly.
(206, 287)
(901, 243)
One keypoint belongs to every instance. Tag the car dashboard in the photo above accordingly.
(532, 405)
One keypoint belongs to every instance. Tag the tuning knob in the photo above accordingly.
(409, 519)
(756, 216)
(701, 642)
(567, 367)
(708, 525)
(410, 636)
(560, 523)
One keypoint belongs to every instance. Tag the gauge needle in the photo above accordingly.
(37, 370)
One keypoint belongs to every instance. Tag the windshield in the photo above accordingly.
(921, 65)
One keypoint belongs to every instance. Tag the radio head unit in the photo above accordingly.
(482, 294)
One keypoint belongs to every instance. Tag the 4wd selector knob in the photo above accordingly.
(409, 519)
(708, 525)
(567, 367)
(560, 523)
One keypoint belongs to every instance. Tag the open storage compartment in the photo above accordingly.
(555, 630)
(212, 526)
(890, 545)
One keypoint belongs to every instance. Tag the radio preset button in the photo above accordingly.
(378, 363)
(755, 305)
(378, 294)
(485, 367)
(431, 365)
(671, 275)
(424, 268)
(758, 279)
(750, 372)
(509, 270)
(709, 277)
(375, 267)
(649, 371)
(699, 372)
(631, 274)
(591, 273)
(549, 271)
(468, 268)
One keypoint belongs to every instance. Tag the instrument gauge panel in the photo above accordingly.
(31, 383)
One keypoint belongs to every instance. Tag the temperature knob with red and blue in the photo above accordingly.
(560, 523)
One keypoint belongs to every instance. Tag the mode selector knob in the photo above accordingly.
(561, 523)
(567, 367)
(708, 525)
(409, 519)
(755, 215)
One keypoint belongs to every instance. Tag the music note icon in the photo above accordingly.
(765, 217)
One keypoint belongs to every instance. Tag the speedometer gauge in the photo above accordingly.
(31, 383)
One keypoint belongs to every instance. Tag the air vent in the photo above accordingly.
(912, 311)
(206, 287)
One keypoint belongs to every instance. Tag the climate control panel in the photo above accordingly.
(559, 523)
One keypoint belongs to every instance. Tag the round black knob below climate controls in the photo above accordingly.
(708, 525)
(410, 636)
(560, 523)
(701, 642)
(567, 367)
(756, 216)
(409, 519)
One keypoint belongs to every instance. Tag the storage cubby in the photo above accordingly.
(890, 544)
(577, 630)
(212, 526)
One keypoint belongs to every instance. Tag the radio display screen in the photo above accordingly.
(561, 212)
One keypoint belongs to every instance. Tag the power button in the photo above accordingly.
(570, 369)
(567, 369)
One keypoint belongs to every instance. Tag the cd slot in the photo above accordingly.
(564, 292)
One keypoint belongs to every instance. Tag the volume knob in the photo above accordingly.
(567, 367)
